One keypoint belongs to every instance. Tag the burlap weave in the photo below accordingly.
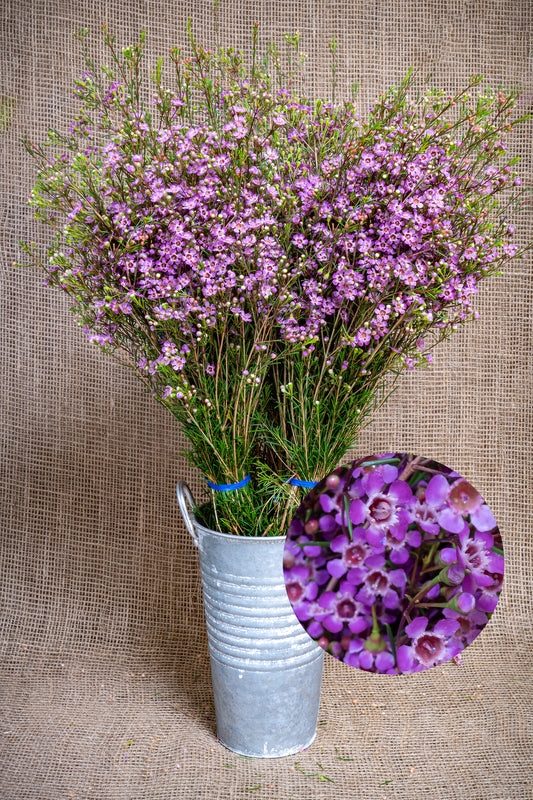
(104, 670)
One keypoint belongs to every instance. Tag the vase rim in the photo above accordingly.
(236, 536)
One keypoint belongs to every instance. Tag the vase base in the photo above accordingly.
(277, 754)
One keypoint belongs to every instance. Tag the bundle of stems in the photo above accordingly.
(268, 264)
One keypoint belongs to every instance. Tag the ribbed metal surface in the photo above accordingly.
(266, 671)
(253, 624)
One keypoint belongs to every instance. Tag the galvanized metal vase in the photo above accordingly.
(266, 671)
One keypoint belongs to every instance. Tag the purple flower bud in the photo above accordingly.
(464, 602)
(452, 575)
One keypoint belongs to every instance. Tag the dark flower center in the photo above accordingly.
(425, 514)
(295, 591)
(377, 582)
(473, 554)
(497, 582)
(354, 554)
(380, 509)
(346, 609)
(465, 624)
(429, 648)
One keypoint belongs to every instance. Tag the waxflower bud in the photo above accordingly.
(375, 643)
(463, 603)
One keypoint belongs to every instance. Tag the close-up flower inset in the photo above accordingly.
(394, 563)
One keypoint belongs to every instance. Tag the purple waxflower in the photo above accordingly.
(388, 471)
(382, 584)
(341, 610)
(399, 551)
(299, 240)
(488, 595)
(473, 556)
(410, 598)
(300, 589)
(368, 161)
(382, 507)
(428, 648)
(275, 224)
(353, 552)
(477, 557)
(426, 503)
(358, 656)
(451, 503)
(470, 625)
(464, 499)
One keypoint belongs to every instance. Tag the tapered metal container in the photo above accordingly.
(266, 671)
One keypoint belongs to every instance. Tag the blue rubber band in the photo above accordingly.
(228, 487)
(303, 484)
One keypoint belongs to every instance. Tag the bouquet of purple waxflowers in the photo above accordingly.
(267, 264)
(393, 564)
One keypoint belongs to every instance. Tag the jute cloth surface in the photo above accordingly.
(105, 688)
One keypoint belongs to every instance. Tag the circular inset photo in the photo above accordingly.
(393, 564)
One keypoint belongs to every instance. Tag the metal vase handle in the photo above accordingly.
(186, 502)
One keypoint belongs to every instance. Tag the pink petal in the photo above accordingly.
(357, 512)
(429, 527)
(373, 483)
(375, 538)
(327, 523)
(356, 576)
(384, 661)
(437, 490)
(496, 563)
(389, 472)
(446, 627)
(375, 561)
(433, 592)
(366, 660)
(406, 661)
(486, 538)
(464, 534)
(326, 599)
(398, 578)
(352, 659)
(487, 603)
(482, 579)
(416, 627)
(339, 543)
(327, 503)
(357, 625)
(483, 519)
(450, 521)
(399, 556)
(301, 572)
(336, 568)
(401, 491)
(332, 625)
(391, 599)
(398, 530)
(315, 630)
(448, 555)
(414, 538)
(356, 644)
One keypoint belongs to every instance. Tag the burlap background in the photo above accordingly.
(105, 679)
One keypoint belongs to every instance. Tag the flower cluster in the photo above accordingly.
(252, 248)
(393, 564)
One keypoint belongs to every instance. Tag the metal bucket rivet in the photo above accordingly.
(266, 671)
